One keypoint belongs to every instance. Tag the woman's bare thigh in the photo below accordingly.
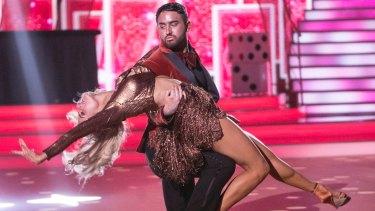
(238, 146)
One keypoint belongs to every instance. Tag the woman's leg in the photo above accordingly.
(286, 174)
(257, 161)
(236, 145)
(280, 170)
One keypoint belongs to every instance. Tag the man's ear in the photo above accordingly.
(187, 26)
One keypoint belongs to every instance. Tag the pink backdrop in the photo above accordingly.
(133, 25)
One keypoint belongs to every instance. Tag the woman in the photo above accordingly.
(198, 123)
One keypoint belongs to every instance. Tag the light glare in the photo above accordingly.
(6, 205)
(72, 201)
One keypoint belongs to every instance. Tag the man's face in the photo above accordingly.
(172, 30)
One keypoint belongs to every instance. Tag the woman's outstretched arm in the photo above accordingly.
(132, 98)
(29, 154)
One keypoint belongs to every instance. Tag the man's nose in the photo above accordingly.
(168, 29)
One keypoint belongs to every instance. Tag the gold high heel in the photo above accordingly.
(336, 199)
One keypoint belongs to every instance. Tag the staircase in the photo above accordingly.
(332, 62)
(265, 117)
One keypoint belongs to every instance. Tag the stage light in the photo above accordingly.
(150, 16)
(106, 79)
(32, 4)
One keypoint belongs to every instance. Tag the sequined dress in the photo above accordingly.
(178, 145)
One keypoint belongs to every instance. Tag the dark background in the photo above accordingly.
(64, 60)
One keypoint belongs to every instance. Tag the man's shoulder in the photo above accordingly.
(153, 54)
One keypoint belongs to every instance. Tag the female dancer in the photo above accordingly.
(198, 124)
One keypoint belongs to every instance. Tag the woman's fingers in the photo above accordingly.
(28, 153)
(16, 152)
(24, 149)
(179, 91)
(172, 100)
(175, 91)
(23, 144)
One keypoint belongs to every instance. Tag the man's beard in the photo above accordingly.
(171, 45)
(176, 45)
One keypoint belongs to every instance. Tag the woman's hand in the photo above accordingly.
(29, 154)
(172, 99)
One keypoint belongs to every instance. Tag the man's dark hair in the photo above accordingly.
(173, 6)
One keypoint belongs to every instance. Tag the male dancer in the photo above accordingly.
(176, 58)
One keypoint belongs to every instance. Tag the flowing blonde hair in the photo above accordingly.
(95, 152)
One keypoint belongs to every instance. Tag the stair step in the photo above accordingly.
(332, 60)
(332, 72)
(51, 119)
(339, 14)
(340, 118)
(342, 4)
(42, 141)
(334, 37)
(332, 48)
(34, 141)
(353, 84)
(336, 25)
(337, 97)
(35, 111)
(34, 126)
(269, 134)
(339, 109)
(268, 117)
(40, 130)
(26, 127)
(60, 111)
(314, 132)
(52, 126)
(9, 140)
(249, 103)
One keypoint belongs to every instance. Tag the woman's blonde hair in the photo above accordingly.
(95, 152)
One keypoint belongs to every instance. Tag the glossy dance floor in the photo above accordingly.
(345, 166)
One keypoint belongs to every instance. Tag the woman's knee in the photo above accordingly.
(261, 169)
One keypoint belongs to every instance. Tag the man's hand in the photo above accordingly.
(172, 99)
(29, 154)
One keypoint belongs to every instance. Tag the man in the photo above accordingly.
(176, 58)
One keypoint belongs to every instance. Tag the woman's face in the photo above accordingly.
(90, 104)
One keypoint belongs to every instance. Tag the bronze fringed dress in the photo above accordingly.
(178, 145)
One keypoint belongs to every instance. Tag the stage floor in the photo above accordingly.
(346, 166)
